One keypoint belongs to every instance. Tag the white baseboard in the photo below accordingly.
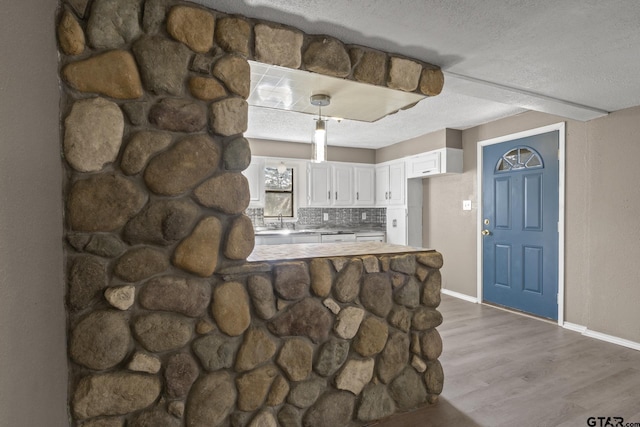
(602, 337)
(567, 325)
(459, 295)
(574, 327)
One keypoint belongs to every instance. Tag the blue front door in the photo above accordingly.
(520, 224)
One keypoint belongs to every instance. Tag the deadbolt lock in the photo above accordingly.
(486, 221)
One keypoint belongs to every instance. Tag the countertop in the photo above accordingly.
(322, 250)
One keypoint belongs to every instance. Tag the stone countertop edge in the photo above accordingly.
(284, 252)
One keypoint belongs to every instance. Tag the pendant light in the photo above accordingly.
(319, 141)
(282, 168)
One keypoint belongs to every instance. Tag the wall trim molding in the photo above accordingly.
(574, 327)
(459, 295)
(581, 329)
(602, 337)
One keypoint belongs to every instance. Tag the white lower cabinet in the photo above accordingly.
(305, 238)
(273, 240)
(287, 239)
(377, 238)
(337, 238)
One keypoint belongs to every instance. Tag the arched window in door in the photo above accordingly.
(519, 158)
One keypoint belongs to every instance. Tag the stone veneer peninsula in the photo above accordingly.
(169, 324)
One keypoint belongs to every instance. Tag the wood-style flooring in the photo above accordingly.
(504, 369)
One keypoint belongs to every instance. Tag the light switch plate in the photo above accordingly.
(325, 216)
(364, 215)
(466, 205)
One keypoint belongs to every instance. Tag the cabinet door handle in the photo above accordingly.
(336, 196)
(386, 195)
(357, 195)
(329, 196)
(389, 195)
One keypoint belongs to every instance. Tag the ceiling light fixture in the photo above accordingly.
(319, 142)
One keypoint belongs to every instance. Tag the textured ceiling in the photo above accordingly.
(575, 58)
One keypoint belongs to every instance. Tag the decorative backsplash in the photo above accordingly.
(342, 216)
(375, 217)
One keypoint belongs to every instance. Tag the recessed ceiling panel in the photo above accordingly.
(288, 89)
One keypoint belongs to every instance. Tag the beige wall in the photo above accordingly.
(602, 228)
(451, 138)
(33, 363)
(613, 224)
(296, 150)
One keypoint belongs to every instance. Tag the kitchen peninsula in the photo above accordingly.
(355, 322)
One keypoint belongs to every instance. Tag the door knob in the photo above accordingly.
(486, 232)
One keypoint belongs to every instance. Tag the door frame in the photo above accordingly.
(560, 127)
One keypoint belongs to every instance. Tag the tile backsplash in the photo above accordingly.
(375, 217)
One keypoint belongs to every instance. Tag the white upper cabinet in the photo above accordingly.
(390, 184)
(396, 184)
(319, 182)
(330, 184)
(436, 162)
(382, 185)
(255, 176)
(364, 180)
(342, 185)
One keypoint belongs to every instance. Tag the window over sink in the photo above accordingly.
(279, 193)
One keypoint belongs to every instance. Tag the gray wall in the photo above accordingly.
(451, 138)
(603, 230)
(602, 226)
(33, 363)
(296, 150)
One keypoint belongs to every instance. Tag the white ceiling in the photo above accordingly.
(576, 58)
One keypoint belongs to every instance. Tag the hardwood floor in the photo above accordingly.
(503, 369)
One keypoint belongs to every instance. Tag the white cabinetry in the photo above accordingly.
(305, 238)
(287, 239)
(273, 240)
(436, 162)
(319, 193)
(390, 184)
(255, 176)
(337, 238)
(371, 238)
(364, 180)
(342, 185)
(330, 185)
(397, 226)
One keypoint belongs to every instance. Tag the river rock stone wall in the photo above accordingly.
(153, 111)
(329, 342)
